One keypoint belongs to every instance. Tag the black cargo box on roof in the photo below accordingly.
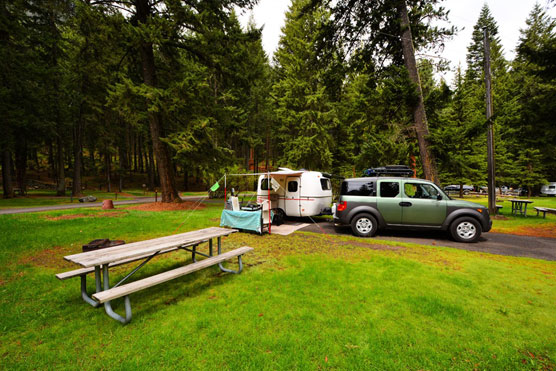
(391, 170)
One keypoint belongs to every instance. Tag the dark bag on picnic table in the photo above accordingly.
(101, 243)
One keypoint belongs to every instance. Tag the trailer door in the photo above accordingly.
(292, 199)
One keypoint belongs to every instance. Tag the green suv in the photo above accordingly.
(372, 203)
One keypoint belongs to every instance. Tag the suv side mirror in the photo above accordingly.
(439, 197)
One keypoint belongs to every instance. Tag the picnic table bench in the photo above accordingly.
(544, 210)
(103, 259)
(520, 206)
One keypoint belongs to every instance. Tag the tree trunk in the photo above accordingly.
(21, 164)
(419, 115)
(92, 164)
(169, 192)
(140, 153)
(107, 159)
(51, 163)
(150, 170)
(7, 183)
(461, 191)
(77, 155)
(60, 173)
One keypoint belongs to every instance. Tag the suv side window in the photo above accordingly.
(358, 188)
(422, 191)
(389, 189)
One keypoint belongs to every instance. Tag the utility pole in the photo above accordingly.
(490, 130)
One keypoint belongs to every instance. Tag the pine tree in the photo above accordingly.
(535, 92)
(475, 51)
(304, 112)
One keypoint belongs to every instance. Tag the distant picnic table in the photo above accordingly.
(520, 206)
(103, 259)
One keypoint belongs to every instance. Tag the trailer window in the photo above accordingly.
(325, 184)
(358, 188)
(266, 184)
(292, 186)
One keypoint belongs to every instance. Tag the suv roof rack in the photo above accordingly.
(392, 170)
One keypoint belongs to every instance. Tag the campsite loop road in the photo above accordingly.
(492, 243)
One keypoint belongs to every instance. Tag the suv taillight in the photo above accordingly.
(341, 206)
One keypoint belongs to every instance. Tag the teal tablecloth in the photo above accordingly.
(248, 220)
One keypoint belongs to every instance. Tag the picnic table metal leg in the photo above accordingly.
(210, 247)
(226, 269)
(84, 293)
(230, 270)
(108, 305)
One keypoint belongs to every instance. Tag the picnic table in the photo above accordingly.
(520, 206)
(101, 260)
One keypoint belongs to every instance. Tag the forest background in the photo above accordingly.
(173, 94)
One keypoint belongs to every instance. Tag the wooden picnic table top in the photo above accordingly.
(135, 249)
(522, 201)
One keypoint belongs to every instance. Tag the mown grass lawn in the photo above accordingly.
(303, 301)
(532, 225)
(36, 198)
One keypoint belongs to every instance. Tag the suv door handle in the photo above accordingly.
(405, 204)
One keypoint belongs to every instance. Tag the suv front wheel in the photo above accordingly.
(364, 225)
(465, 229)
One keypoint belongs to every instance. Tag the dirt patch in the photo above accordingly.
(113, 214)
(159, 206)
(499, 217)
(50, 258)
(546, 230)
(367, 245)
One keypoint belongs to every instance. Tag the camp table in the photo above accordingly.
(102, 260)
(520, 206)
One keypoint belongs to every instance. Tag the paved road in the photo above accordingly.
(492, 243)
(139, 200)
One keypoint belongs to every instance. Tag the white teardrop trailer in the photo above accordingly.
(296, 193)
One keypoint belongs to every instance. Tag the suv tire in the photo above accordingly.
(364, 225)
(466, 229)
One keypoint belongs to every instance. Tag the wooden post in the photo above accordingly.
(490, 130)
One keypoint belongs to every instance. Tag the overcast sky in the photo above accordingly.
(509, 14)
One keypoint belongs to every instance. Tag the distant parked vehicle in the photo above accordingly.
(455, 188)
(549, 189)
(523, 191)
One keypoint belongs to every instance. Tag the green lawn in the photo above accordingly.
(37, 198)
(304, 301)
(518, 224)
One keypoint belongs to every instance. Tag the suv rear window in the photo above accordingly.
(358, 188)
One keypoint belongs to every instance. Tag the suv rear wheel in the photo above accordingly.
(364, 225)
(465, 229)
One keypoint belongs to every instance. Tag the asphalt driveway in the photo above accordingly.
(492, 243)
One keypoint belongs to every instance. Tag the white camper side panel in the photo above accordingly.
(313, 198)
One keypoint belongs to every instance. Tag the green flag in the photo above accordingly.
(215, 187)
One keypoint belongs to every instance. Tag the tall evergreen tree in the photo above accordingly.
(535, 90)
(305, 116)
